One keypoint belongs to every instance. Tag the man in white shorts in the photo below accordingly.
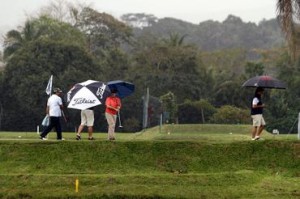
(87, 119)
(257, 114)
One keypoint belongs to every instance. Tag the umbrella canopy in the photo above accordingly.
(87, 94)
(124, 88)
(264, 81)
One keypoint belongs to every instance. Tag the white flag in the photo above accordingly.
(49, 86)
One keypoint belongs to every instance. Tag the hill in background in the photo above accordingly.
(211, 35)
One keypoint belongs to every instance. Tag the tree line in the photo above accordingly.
(192, 85)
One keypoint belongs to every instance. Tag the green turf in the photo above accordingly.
(175, 161)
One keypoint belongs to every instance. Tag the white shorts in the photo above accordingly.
(87, 117)
(258, 120)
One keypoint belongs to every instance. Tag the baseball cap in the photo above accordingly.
(57, 90)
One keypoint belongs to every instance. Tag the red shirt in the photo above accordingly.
(114, 102)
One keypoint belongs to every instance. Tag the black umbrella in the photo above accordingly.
(123, 88)
(264, 81)
(87, 94)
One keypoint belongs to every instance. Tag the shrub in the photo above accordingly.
(195, 112)
(131, 125)
(231, 115)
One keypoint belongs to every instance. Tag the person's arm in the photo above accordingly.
(111, 107)
(259, 106)
(47, 110)
(255, 104)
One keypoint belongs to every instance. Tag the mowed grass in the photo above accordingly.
(210, 133)
(175, 161)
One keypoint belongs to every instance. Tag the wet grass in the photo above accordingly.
(182, 161)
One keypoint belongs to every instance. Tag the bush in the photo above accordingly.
(231, 115)
(195, 112)
(131, 125)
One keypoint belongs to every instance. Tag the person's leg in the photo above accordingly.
(82, 124)
(260, 129)
(58, 128)
(90, 123)
(254, 126)
(78, 134)
(111, 121)
(258, 124)
(90, 132)
(254, 131)
(80, 128)
(262, 126)
(48, 128)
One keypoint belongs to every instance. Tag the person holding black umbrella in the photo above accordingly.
(113, 105)
(257, 107)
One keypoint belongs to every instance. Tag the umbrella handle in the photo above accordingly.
(64, 116)
(120, 125)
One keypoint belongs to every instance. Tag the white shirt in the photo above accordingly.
(54, 103)
(255, 101)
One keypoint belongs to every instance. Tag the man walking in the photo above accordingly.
(54, 110)
(257, 114)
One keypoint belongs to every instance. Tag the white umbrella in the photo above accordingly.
(87, 94)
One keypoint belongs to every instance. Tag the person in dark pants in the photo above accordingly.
(54, 110)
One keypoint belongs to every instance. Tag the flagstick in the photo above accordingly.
(49, 86)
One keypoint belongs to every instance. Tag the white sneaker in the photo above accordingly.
(43, 138)
(257, 138)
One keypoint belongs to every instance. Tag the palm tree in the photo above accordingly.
(288, 12)
(15, 39)
(43, 27)
(175, 40)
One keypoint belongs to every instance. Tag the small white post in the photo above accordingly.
(160, 122)
(38, 129)
(299, 127)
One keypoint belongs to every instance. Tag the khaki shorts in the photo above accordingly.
(87, 117)
(258, 120)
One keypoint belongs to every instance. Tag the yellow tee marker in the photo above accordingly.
(76, 185)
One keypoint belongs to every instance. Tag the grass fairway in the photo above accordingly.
(176, 161)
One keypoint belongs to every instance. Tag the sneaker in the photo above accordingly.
(43, 138)
(112, 139)
(78, 137)
(61, 139)
(91, 138)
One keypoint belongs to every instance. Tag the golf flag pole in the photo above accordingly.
(49, 86)
(299, 126)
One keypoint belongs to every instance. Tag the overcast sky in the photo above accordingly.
(14, 12)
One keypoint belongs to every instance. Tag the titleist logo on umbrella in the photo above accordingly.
(100, 91)
(83, 101)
